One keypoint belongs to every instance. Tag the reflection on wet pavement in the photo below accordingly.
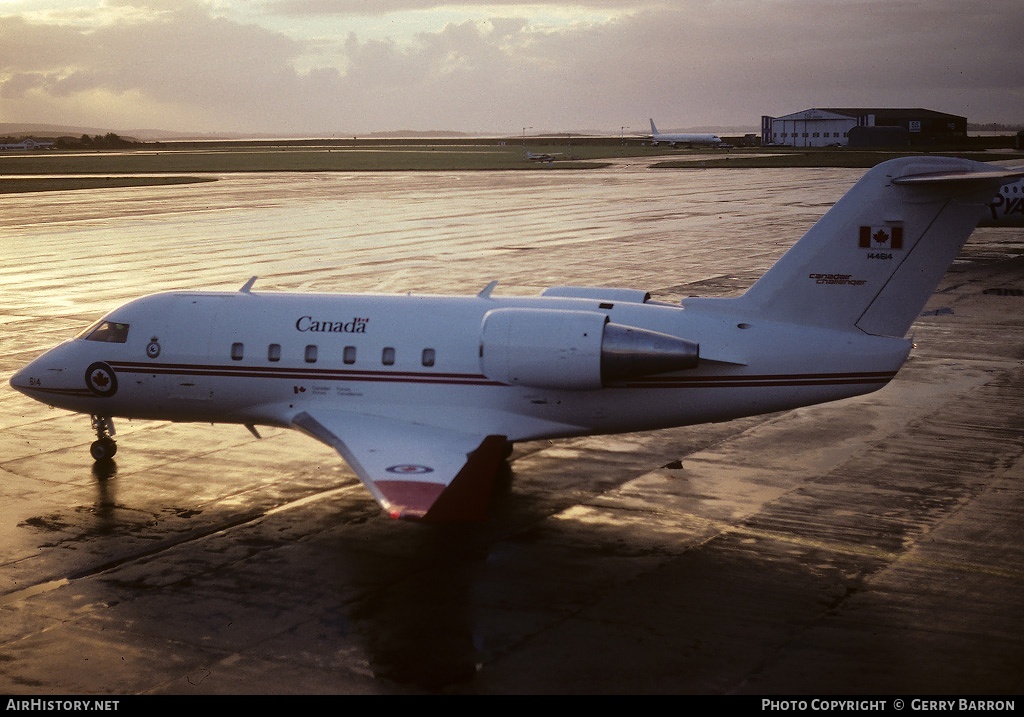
(870, 546)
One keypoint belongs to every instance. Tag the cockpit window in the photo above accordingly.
(108, 331)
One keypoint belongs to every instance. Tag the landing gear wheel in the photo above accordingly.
(103, 449)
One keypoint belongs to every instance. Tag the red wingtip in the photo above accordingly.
(467, 497)
(463, 500)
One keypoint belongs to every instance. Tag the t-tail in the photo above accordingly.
(875, 258)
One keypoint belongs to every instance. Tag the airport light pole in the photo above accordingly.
(524, 137)
(622, 134)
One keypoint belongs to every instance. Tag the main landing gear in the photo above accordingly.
(104, 447)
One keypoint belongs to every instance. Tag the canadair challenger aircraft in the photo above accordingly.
(423, 395)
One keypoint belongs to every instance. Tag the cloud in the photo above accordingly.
(179, 57)
(384, 7)
(199, 68)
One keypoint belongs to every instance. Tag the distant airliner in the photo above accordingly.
(1007, 208)
(683, 138)
(423, 395)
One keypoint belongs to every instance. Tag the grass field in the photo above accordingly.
(60, 184)
(853, 158)
(197, 162)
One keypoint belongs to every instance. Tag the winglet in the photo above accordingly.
(467, 497)
(247, 287)
(453, 483)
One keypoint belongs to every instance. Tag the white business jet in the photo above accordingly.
(423, 395)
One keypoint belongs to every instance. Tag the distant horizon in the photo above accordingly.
(49, 129)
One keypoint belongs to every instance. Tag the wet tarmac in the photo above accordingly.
(870, 546)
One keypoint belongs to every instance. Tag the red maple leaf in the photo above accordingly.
(100, 379)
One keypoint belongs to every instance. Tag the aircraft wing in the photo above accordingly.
(414, 471)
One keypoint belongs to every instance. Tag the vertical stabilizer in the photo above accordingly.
(876, 257)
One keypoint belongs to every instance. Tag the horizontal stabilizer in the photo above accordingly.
(985, 177)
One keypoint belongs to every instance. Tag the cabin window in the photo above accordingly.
(237, 351)
(107, 331)
(349, 355)
(311, 353)
(388, 356)
(274, 352)
(428, 357)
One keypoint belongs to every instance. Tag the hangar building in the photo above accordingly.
(862, 127)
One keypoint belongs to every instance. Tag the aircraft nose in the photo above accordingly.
(26, 379)
(36, 377)
(19, 381)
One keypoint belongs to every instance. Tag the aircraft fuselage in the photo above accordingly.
(261, 358)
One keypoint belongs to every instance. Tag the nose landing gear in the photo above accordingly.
(104, 447)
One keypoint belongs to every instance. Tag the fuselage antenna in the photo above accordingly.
(485, 293)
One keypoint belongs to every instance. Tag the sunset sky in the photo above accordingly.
(346, 67)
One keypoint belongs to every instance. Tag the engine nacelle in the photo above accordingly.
(574, 350)
(543, 347)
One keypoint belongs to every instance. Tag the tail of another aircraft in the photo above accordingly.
(654, 130)
(875, 258)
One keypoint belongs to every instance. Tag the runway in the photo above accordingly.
(866, 547)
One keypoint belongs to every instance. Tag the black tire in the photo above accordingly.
(103, 449)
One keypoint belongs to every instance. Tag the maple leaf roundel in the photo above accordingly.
(100, 379)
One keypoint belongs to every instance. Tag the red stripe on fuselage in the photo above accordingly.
(684, 381)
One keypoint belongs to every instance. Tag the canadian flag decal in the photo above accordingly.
(881, 237)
